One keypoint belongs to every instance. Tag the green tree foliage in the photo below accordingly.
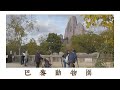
(54, 42)
(107, 45)
(15, 31)
(13, 45)
(107, 21)
(101, 20)
(43, 45)
(86, 43)
(44, 48)
(24, 48)
(63, 48)
(42, 39)
(16, 27)
(32, 47)
(89, 43)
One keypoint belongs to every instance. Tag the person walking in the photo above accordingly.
(72, 58)
(38, 59)
(22, 58)
(75, 57)
(65, 59)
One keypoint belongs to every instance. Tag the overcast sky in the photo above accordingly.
(52, 24)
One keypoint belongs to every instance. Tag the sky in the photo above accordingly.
(52, 24)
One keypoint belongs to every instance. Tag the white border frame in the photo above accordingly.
(97, 73)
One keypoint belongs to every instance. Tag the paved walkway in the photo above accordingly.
(17, 65)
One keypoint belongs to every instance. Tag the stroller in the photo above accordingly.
(47, 63)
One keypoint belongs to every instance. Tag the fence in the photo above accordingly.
(84, 60)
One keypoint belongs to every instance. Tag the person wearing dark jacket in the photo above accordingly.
(72, 58)
(38, 59)
(22, 58)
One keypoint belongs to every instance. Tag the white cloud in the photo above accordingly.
(46, 27)
(43, 28)
(51, 24)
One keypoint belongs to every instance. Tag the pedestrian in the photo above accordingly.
(75, 57)
(38, 59)
(72, 58)
(65, 59)
(22, 57)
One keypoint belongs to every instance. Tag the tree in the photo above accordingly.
(32, 47)
(15, 31)
(13, 45)
(86, 43)
(43, 45)
(107, 46)
(106, 21)
(63, 48)
(101, 20)
(42, 39)
(16, 26)
(54, 42)
(44, 48)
